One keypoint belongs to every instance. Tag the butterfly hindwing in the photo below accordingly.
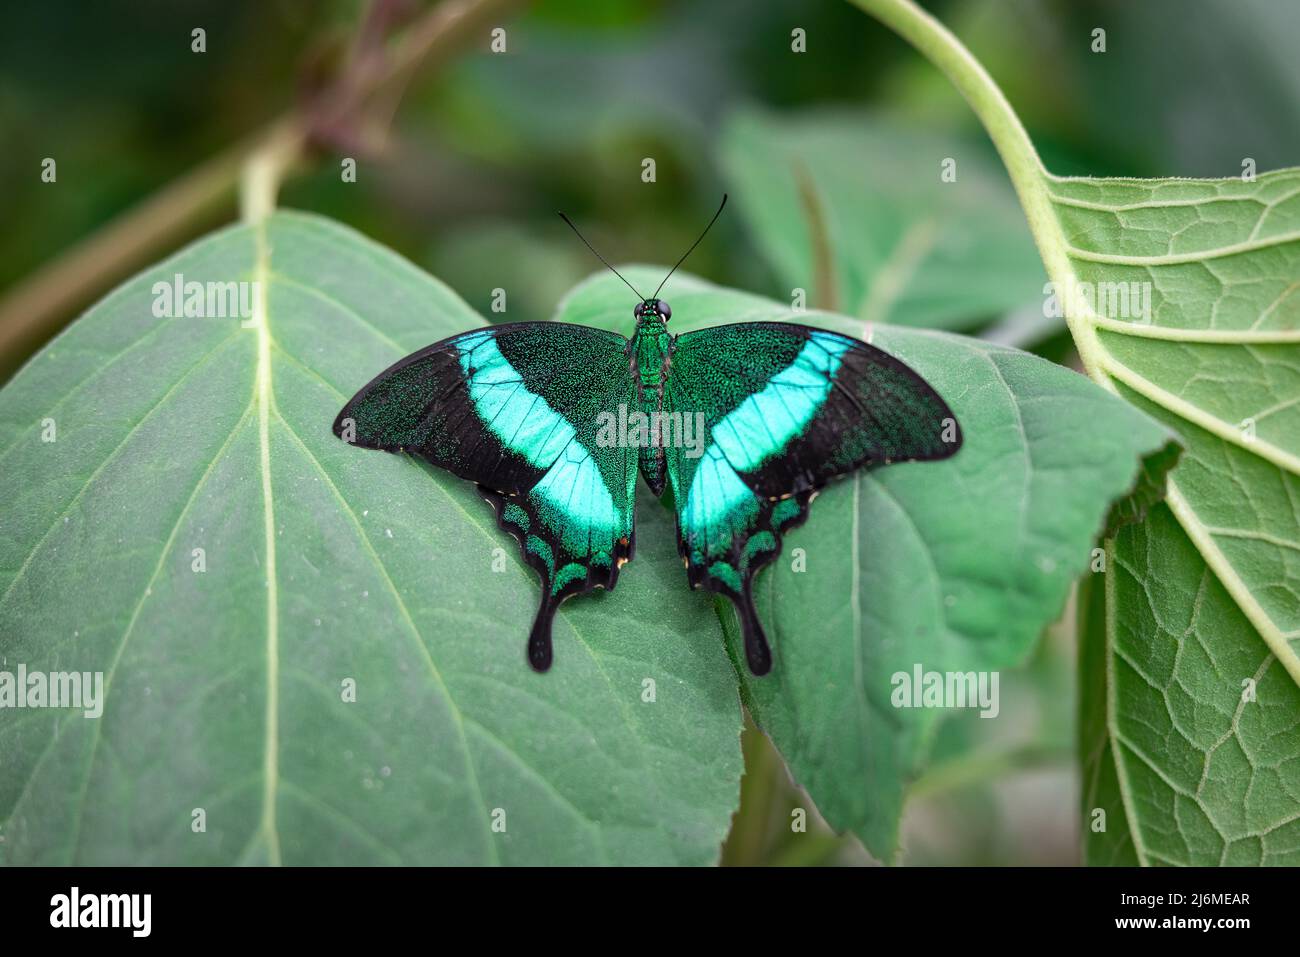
(786, 408)
(515, 409)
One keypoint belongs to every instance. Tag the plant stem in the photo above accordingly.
(39, 305)
(812, 850)
(825, 291)
(264, 171)
(977, 768)
(36, 308)
(938, 44)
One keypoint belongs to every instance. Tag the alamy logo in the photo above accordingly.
(1109, 300)
(637, 429)
(919, 688)
(55, 689)
(103, 910)
(203, 300)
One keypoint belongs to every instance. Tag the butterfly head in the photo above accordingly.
(654, 311)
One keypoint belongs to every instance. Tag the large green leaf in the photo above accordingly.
(1206, 595)
(1195, 690)
(956, 565)
(851, 208)
(224, 688)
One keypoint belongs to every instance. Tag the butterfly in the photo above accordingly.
(744, 423)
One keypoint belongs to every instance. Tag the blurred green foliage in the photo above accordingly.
(485, 153)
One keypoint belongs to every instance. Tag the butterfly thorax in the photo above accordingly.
(651, 350)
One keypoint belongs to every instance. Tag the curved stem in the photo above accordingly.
(983, 767)
(942, 48)
(264, 171)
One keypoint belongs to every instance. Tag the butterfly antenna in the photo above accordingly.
(600, 257)
(693, 245)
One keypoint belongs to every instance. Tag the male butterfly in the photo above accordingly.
(523, 409)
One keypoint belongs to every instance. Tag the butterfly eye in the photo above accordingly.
(664, 310)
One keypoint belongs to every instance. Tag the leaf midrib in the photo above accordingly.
(264, 356)
(263, 397)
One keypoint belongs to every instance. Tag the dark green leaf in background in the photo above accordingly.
(850, 207)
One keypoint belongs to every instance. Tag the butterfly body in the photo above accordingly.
(742, 423)
(651, 351)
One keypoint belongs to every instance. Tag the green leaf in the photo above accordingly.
(1202, 600)
(1206, 595)
(840, 207)
(323, 564)
(1203, 762)
(956, 565)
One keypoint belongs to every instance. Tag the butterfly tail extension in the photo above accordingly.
(562, 572)
(758, 654)
(726, 563)
(539, 639)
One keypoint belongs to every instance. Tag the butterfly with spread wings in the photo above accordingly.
(522, 409)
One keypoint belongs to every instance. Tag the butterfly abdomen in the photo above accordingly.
(651, 351)
(651, 458)
(653, 469)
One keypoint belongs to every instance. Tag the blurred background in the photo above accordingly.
(463, 167)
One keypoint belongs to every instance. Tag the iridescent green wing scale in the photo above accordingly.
(786, 408)
(515, 408)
